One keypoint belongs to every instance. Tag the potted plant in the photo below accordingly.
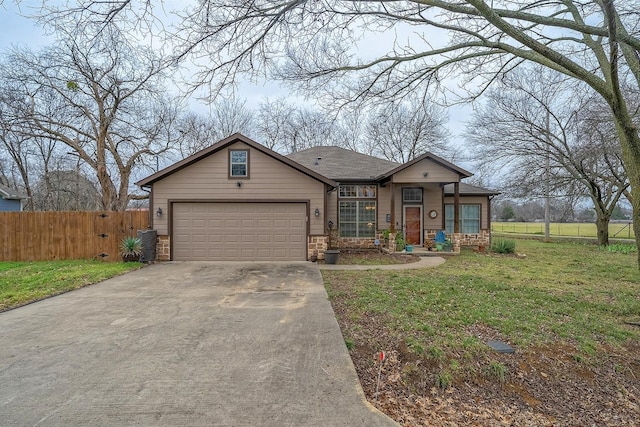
(131, 249)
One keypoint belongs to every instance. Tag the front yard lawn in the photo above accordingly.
(564, 307)
(25, 282)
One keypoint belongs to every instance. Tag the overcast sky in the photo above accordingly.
(16, 29)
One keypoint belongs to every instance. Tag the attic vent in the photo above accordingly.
(317, 162)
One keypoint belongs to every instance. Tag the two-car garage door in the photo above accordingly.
(239, 231)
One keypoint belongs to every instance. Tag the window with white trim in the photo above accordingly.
(238, 163)
(357, 218)
(469, 217)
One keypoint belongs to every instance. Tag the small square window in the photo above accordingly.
(239, 163)
(412, 195)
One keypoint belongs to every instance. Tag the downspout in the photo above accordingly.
(392, 227)
(149, 190)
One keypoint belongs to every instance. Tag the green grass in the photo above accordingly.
(558, 292)
(616, 230)
(24, 282)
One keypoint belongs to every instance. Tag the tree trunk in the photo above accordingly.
(635, 203)
(602, 227)
(630, 141)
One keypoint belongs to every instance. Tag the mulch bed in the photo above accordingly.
(374, 257)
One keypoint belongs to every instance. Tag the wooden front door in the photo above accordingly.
(413, 224)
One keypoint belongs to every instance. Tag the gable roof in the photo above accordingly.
(342, 164)
(11, 194)
(462, 172)
(469, 190)
(237, 137)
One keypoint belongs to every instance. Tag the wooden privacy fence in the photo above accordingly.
(45, 236)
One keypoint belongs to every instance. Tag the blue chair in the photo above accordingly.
(440, 237)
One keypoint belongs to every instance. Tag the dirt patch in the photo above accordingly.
(551, 385)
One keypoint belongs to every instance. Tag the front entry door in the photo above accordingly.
(413, 224)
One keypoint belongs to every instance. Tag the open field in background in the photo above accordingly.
(622, 230)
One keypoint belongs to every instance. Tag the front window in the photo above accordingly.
(469, 218)
(357, 218)
(238, 163)
(357, 191)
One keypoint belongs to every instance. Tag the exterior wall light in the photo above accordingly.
(317, 212)
(159, 212)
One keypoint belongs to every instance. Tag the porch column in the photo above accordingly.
(456, 207)
(392, 228)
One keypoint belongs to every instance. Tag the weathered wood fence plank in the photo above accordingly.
(44, 236)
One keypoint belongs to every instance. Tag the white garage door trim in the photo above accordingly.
(243, 230)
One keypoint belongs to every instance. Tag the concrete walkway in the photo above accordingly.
(198, 344)
(425, 262)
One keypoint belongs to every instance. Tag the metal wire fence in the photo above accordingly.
(619, 230)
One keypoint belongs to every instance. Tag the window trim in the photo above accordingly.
(375, 196)
(371, 199)
(230, 151)
(479, 219)
(410, 202)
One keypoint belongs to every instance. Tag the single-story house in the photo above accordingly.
(11, 200)
(238, 200)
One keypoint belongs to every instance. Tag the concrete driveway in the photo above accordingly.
(233, 344)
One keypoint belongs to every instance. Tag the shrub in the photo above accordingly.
(400, 243)
(503, 246)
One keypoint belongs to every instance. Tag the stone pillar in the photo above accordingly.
(163, 248)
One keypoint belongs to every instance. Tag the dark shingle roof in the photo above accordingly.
(11, 194)
(469, 190)
(341, 164)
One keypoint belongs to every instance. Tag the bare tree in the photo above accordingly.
(401, 131)
(351, 131)
(315, 44)
(229, 116)
(198, 131)
(272, 123)
(101, 99)
(65, 190)
(26, 156)
(533, 119)
(287, 128)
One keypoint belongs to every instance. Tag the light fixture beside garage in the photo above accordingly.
(239, 184)
(159, 212)
(317, 212)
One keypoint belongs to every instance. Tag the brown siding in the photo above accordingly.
(415, 173)
(384, 206)
(270, 180)
(332, 208)
(431, 200)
